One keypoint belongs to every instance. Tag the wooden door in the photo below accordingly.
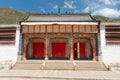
(58, 50)
(38, 50)
(82, 49)
(79, 50)
(75, 50)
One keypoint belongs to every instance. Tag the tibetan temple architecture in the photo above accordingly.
(64, 36)
(71, 37)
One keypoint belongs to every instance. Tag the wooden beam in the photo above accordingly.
(112, 32)
(7, 42)
(113, 41)
(7, 33)
(58, 29)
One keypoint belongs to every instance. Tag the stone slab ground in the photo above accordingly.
(58, 75)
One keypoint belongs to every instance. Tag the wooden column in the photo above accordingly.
(78, 51)
(93, 48)
(46, 49)
(25, 49)
(71, 49)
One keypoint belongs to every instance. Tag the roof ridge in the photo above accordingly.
(60, 14)
(60, 17)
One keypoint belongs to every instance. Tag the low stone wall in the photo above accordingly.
(114, 67)
(6, 65)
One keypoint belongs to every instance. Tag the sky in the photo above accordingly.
(108, 8)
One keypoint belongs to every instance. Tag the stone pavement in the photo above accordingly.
(58, 75)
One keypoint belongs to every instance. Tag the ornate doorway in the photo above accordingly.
(80, 50)
(38, 50)
(58, 50)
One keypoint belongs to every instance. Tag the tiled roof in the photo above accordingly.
(59, 17)
(9, 25)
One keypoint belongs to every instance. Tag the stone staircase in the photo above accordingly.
(59, 65)
(29, 65)
(90, 66)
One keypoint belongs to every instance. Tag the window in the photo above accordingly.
(113, 35)
(7, 35)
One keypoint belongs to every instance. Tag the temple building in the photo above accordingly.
(71, 37)
(64, 36)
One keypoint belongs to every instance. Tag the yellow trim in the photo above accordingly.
(78, 51)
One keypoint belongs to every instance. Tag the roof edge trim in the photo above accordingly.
(70, 23)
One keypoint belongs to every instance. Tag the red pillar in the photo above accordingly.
(46, 54)
(24, 53)
(25, 48)
(71, 49)
(71, 53)
(94, 53)
(46, 49)
(93, 49)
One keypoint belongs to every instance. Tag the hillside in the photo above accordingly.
(11, 16)
(106, 19)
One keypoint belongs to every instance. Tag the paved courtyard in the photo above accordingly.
(58, 75)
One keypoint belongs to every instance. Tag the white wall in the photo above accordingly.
(110, 53)
(10, 52)
(102, 36)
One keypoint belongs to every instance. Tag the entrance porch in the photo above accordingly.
(60, 47)
(63, 36)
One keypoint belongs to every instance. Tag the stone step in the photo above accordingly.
(30, 62)
(60, 65)
(90, 66)
(27, 68)
(88, 63)
(58, 68)
(99, 69)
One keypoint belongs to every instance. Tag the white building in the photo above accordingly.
(9, 43)
(108, 41)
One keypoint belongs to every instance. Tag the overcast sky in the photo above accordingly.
(108, 8)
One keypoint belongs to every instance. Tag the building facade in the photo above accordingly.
(60, 36)
(64, 36)
(110, 42)
(9, 43)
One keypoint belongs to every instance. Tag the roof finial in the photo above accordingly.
(58, 10)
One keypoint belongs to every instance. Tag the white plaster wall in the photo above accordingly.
(10, 52)
(110, 53)
(102, 36)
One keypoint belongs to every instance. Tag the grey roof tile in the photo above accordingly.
(59, 17)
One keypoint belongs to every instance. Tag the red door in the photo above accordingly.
(75, 50)
(58, 49)
(79, 50)
(82, 49)
(38, 50)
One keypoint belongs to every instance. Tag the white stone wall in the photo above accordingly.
(110, 53)
(9, 53)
